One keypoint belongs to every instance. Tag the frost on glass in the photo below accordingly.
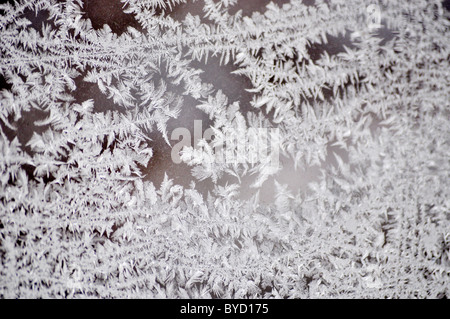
(353, 98)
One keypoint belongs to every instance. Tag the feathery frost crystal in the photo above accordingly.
(353, 96)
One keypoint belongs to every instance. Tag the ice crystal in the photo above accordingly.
(357, 93)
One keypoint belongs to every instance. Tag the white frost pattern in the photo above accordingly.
(80, 217)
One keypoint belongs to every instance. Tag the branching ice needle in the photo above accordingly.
(84, 214)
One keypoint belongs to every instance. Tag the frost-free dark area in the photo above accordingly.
(109, 12)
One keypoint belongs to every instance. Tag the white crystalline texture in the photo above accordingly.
(359, 97)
